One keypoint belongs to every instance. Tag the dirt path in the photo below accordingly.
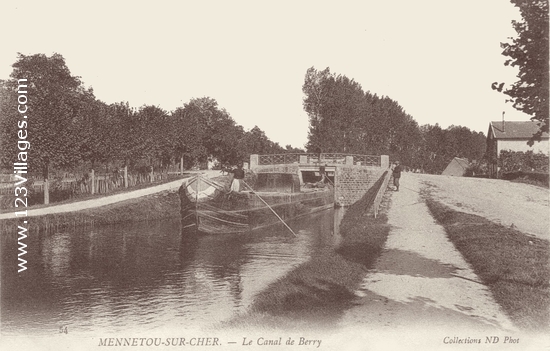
(107, 200)
(525, 207)
(421, 282)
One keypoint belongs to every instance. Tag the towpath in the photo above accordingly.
(106, 200)
(421, 283)
(523, 206)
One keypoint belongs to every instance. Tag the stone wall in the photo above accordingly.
(352, 182)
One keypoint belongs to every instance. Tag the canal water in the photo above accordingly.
(148, 276)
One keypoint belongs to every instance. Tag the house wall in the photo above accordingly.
(521, 145)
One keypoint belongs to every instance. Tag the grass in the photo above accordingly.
(514, 266)
(317, 292)
(160, 205)
(531, 182)
(88, 196)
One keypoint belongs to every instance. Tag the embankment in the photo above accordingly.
(512, 264)
(151, 207)
(316, 293)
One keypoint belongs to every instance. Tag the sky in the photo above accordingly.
(436, 58)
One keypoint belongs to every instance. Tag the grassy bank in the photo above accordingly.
(317, 292)
(160, 205)
(514, 266)
(64, 197)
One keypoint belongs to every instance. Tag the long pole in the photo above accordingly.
(272, 210)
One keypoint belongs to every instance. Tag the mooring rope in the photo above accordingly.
(272, 210)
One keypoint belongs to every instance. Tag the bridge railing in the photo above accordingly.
(277, 159)
(324, 158)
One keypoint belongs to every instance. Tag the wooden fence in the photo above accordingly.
(82, 183)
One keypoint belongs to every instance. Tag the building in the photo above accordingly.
(512, 135)
(457, 167)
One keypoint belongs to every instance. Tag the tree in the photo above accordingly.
(94, 130)
(151, 124)
(343, 118)
(316, 93)
(203, 131)
(439, 146)
(54, 103)
(529, 52)
(293, 150)
(9, 116)
(124, 133)
(254, 141)
(184, 137)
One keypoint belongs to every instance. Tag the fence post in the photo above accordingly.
(253, 161)
(93, 182)
(349, 160)
(384, 161)
(181, 166)
(152, 174)
(46, 192)
(125, 176)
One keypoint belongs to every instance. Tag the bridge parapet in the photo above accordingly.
(329, 159)
(353, 174)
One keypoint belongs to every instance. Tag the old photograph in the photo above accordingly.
(246, 175)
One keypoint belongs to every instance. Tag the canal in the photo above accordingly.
(148, 276)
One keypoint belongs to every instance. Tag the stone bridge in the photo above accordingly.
(352, 175)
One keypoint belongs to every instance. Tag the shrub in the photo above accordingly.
(514, 161)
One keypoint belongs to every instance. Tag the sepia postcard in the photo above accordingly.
(244, 175)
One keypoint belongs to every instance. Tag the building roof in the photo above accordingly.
(514, 129)
(462, 162)
(457, 167)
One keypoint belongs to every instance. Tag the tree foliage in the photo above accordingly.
(69, 127)
(93, 117)
(344, 118)
(206, 131)
(529, 52)
(513, 161)
(439, 146)
(54, 105)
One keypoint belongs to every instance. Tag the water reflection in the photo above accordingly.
(144, 277)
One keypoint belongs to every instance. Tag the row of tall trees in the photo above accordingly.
(439, 146)
(68, 127)
(344, 118)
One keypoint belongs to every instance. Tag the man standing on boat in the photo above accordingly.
(238, 176)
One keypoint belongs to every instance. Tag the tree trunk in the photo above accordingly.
(181, 164)
(105, 178)
(125, 175)
(46, 175)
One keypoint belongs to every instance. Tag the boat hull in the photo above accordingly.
(217, 212)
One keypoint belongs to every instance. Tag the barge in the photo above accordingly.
(208, 206)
